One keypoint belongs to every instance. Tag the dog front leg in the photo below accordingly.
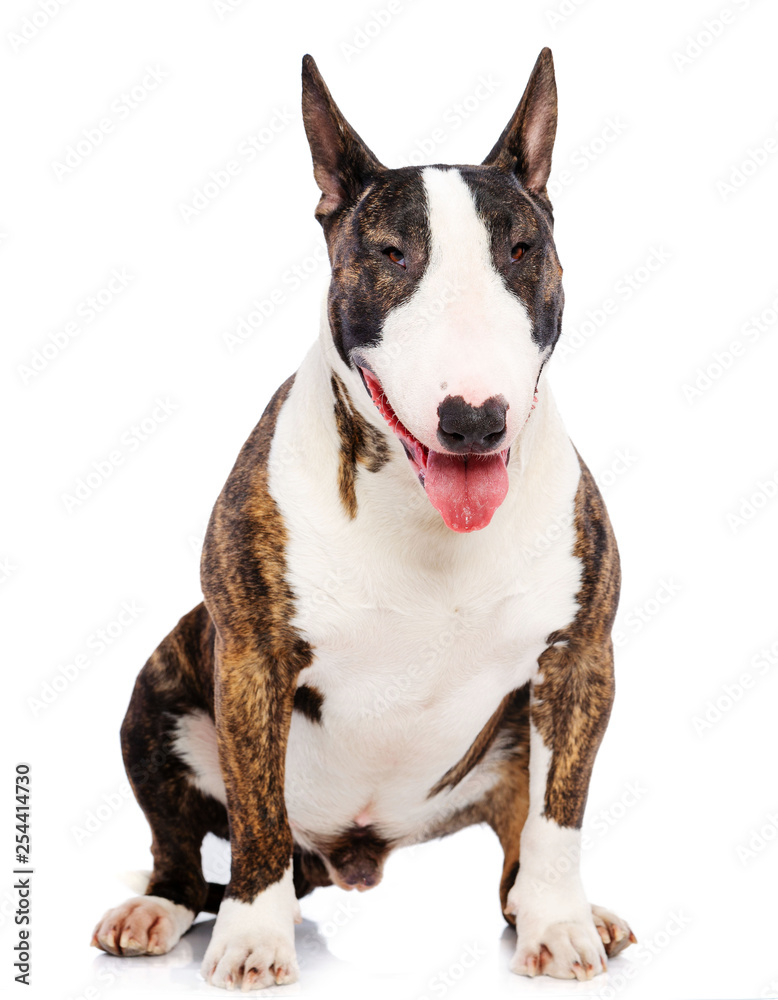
(570, 702)
(253, 941)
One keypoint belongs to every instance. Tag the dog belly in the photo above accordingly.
(384, 741)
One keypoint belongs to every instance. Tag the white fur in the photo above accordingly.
(418, 631)
(548, 898)
(461, 328)
(255, 936)
(194, 741)
(143, 925)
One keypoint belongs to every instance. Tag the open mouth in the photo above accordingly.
(466, 489)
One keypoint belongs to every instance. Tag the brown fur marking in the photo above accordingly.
(177, 679)
(360, 443)
(572, 704)
(356, 855)
(308, 700)
(476, 751)
(258, 658)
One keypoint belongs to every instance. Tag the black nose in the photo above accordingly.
(466, 428)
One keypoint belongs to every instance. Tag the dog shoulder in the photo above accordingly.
(243, 565)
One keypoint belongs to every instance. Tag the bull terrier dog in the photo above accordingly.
(409, 584)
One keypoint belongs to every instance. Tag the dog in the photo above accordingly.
(409, 582)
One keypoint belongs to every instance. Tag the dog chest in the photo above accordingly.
(407, 672)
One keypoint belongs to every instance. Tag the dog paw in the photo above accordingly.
(565, 950)
(250, 964)
(616, 933)
(253, 943)
(143, 925)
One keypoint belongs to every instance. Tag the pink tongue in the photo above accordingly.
(467, 490)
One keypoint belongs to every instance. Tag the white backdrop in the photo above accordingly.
(157, 190)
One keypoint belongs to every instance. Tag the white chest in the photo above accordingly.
(415, 645)
(417, 632)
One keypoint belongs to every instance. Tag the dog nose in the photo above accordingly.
(466, 428)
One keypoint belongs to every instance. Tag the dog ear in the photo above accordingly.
(342, 163)
(527, 142)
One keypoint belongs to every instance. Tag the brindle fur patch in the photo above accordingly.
(572, 704)
(366, 285)
(360, 443)
(476, 752)
(258, 658)
(176, 680)
(512, 216)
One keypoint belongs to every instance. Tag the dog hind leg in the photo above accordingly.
(176, 681)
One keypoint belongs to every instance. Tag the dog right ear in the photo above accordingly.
(342, 163)
(527, 141)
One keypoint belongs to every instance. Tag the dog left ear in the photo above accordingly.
(342, 163)
(527, 142)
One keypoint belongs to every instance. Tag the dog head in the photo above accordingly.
(446, 296)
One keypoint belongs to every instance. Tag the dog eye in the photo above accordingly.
(395, 256)
(518, 251)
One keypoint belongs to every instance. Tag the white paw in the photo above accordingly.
(253, 943)
(143, 925)
(565, 950)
